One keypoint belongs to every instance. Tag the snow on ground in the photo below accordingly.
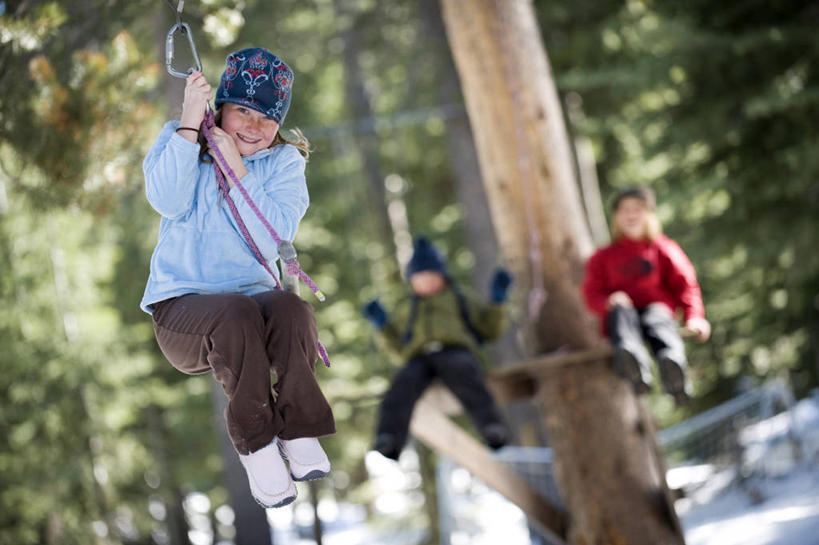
(788, 514)
(776, 503)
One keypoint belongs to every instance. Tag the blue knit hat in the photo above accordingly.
(256, 78)
(426, 257)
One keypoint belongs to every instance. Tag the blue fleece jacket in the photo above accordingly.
(200, 248)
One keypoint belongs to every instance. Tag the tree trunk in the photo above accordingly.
(526, 161)
(318, 530)
(587, 172)
(360, 104)
(467, 173)
(429, 486)
(522, 415)
(177, 526)
(250, 519)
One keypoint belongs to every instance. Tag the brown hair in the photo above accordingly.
(641, 192)
(298, 140)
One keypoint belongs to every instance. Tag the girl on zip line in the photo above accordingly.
(214, 306)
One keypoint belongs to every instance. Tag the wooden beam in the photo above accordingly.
(539, 364)
(443, 399)
(511, 388)
(432, 427)
(519, 380)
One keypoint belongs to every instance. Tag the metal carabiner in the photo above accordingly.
(185, 29)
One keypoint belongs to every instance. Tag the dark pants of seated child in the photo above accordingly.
(241, 339)
(630, 329)
(459, 371)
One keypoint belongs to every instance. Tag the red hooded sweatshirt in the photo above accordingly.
(649, 271)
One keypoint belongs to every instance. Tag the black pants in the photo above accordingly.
(458, 369)
(241, 339)
(630, 328)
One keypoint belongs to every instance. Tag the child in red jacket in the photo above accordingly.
(636, 284)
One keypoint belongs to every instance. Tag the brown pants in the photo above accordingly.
(241, 339)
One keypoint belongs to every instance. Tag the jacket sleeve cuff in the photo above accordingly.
(183, 144)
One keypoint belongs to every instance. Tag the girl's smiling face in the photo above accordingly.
(251, 130)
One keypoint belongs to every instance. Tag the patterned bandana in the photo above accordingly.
(256, 78)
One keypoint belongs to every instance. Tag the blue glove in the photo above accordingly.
(375, 314)
(498, 289)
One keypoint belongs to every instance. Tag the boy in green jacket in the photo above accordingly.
(436, 333)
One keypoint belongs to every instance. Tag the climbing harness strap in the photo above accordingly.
(462, 308)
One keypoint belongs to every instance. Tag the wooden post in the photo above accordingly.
(605, 462)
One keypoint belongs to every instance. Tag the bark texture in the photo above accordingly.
(607, 465)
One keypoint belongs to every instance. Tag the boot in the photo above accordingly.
(496, 435)
(674, 378)
(633, 364)
(387, 445)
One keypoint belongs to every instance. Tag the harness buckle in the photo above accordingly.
(431, 347)
(287, 255)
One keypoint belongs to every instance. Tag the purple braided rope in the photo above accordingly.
(242, 227)
(276, 238)
(293, 267)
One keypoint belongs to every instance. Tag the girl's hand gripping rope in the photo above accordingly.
(229, 156)
(195, 104)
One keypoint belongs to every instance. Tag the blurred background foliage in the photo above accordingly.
(711, 103)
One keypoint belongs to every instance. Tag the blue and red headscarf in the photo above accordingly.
(256, 78)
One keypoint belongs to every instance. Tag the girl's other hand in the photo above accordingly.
(195, 103)
(230, 152)
(620, 298)
(699, 327)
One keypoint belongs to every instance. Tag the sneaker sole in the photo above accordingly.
(314, 475)
(286, 501)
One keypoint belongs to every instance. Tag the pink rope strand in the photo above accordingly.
(292, 268)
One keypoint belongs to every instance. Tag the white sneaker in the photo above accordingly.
(270, 482)
(308, 461)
